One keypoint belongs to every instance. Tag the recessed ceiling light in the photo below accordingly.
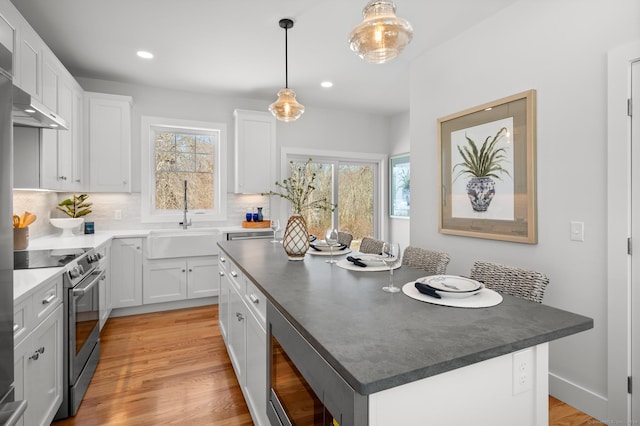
(326, 84)
(144, 54)
(29, 110)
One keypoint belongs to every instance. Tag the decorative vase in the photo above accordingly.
(260, 216)
(481, 191)
(296, 237)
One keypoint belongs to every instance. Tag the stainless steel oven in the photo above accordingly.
(303, 389)
(81, 330)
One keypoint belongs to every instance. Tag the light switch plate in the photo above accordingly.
(577, 231)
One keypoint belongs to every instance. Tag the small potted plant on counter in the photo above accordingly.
(75, 208)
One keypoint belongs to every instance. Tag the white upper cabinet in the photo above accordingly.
(9, 19)
(108, 130)
(28, 74)
(255, 151)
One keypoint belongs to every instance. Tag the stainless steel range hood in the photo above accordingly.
(29, 112)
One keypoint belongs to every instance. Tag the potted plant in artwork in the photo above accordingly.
(297, 189)
(75, 208)
(405, 185)
(483, 165)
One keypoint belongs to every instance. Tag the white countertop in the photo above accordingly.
(25, 281)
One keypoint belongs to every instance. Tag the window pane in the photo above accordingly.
(165, 142)
(318, 221)
(204, 144)
(355, 199)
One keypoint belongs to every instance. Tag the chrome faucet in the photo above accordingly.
(185, 223)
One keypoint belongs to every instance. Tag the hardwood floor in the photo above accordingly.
(172, 367)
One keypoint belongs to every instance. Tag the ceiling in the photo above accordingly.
(236, 47)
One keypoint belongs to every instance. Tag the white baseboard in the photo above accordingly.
(581, 398)
(168, 306)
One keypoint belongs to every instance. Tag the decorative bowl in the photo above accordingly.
(66, 224)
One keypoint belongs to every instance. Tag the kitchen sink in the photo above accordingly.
(168, 243)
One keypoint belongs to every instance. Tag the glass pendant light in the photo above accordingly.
(382, 35)
(286, 107)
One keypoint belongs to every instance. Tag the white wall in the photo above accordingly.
(558, 48)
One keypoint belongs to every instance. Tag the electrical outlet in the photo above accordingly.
(118, 214)
(523, 371)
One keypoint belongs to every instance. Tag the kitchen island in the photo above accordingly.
(411, 362)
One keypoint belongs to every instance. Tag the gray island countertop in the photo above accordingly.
(377, 340)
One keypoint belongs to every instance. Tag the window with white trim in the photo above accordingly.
(179, 156)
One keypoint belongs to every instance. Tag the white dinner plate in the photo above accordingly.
(452, 285)
(322, 246)
(328, 253)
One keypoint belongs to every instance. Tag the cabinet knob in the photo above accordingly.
(239, 316)
(223, 260)
(190, 270)
(254, 299)
(16, 327)
(221, 273)
(184, 270)
(234, 274)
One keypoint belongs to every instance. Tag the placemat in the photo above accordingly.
(484, 299)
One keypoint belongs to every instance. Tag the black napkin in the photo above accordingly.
(428, 290)
(356, 261)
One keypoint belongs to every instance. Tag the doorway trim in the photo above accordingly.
(618, 230)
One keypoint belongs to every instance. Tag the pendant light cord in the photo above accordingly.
(286, 58)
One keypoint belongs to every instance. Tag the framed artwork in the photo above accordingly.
(488, 170)
(399, 185)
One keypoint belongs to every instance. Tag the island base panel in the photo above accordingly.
(488, 392)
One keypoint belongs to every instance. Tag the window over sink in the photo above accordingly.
(175, 151)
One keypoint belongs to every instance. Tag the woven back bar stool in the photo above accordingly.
(432, 261)
(345, 238)
(371, 245)
(511, 280)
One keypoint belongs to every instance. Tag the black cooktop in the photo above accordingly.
(31, 259)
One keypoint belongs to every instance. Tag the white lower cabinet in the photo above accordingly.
(242, 324)
(38, 339)
(126, 275)
(168, 280)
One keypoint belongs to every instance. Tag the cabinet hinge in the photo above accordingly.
(629, 246)
(630, 107)
(629, 385)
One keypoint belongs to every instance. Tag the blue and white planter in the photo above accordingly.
(481, 191)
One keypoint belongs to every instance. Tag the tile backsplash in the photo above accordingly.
(43, 205)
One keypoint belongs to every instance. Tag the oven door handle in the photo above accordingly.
(82, 290)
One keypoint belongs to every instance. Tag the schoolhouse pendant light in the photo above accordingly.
(382, 35)
(286, 107)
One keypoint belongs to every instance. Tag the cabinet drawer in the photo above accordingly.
(236, 277)
(46, 298)
(21, 315)
(257, 303)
